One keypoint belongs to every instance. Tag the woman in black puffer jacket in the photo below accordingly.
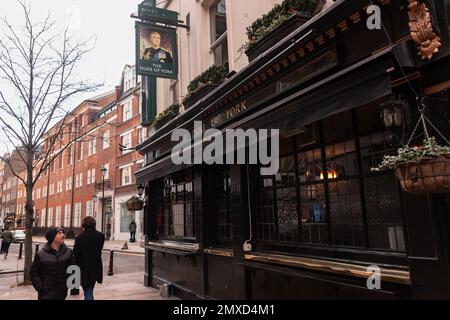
(49, 269)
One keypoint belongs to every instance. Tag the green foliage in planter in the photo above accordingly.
(213, 75)
(429, 149)
(272, 19)
(171, 112)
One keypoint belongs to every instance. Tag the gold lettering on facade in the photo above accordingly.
(228, 114)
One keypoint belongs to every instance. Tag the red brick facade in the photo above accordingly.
(64, 194)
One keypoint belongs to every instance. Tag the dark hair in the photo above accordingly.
(88, 222)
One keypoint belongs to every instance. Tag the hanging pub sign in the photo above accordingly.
(156, 51)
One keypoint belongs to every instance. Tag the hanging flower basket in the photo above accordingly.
(135, 204)
(427, 175)
(421, 169)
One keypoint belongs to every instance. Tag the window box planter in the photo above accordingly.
(202, 92)
(276, 35)
(163, 118)
(204, 83)
(159, 124)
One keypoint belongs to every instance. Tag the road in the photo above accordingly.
(123, 262)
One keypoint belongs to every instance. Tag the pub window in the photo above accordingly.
(219, 42)
(223, 203)
(277, 204)
(325, 192)
(176, 214)
(312, 196)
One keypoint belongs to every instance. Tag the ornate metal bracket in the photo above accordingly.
(427, 41)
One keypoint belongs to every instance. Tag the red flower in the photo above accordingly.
(292, 10)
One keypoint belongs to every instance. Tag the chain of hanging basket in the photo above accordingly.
(423, 120)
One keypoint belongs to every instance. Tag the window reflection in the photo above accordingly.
(322, 183)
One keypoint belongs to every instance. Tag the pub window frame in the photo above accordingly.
(327, 248)
(166, 231)
(222, 179)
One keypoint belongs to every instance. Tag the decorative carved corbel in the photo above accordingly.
(427, 41)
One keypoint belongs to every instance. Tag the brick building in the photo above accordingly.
(9, 187)
(73, 186)
(128, 161)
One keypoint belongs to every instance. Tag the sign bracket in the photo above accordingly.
(166, 22)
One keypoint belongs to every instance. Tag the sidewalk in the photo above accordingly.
(12, 263)
(118, 287)
(115, 245)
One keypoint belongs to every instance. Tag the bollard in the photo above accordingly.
(20, 250)
(74, 292)
(164, 290)
(37, 247)
(111, 261)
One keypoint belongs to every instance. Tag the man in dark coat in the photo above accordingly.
(155, 53)
(132, 227)
(88, 253)
(7, 237)
(49, 268)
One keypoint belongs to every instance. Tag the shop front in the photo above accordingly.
(341, 97)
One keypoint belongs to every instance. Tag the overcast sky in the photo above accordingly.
(109, 21)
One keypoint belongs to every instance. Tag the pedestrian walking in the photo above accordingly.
(7, 237)
(132, 227)
(49, 268)
(1, 246)
(88, 253)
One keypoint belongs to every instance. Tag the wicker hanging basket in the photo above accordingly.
(427, 175)
(135, 204)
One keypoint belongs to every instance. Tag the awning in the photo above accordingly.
(345, 90)
(158, 169)
(355, 86)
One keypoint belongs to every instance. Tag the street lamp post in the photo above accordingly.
(103, 199)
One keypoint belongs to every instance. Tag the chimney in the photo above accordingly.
(118, 92)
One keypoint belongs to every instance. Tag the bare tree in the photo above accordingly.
(38, 72)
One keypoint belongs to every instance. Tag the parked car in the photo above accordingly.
(18, 236)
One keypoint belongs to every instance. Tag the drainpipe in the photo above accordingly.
(247, 246)
(71, 233)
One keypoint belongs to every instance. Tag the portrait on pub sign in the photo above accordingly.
(156, 52)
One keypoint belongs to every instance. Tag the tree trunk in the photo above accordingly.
(29, 219)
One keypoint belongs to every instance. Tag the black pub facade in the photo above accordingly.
(342, 96)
